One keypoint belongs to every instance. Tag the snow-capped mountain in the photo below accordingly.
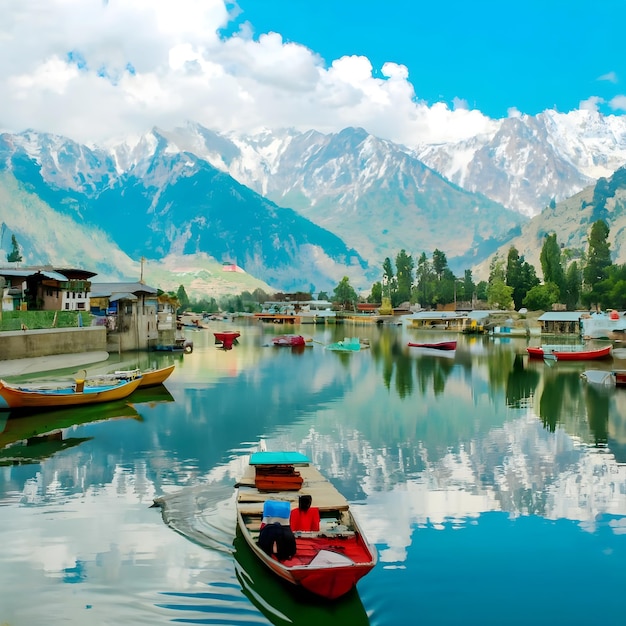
(530, 161)
(372, 193)
(301, 210)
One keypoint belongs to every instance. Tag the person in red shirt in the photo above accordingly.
(305, 517)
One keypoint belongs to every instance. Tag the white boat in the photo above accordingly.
(609, 325)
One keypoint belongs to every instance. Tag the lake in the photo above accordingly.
(493, 486)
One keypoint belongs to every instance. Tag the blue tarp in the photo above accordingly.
(278, 458)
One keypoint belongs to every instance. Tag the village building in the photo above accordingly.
(44, 288)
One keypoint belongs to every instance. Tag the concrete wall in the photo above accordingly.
(20, 344)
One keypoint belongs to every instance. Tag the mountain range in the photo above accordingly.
(300, 210)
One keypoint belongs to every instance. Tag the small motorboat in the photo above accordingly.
(567, 352)
(327, 562)
(226, 338)
(349, 344)
(289, 340)
(439, 345)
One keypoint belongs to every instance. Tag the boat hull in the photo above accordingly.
(28, 398)
(569, 355)
(441, 345)
(289, 340)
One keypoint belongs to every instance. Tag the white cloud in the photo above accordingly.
(95, 70)
(591, 104)
(611, 77)
(618, 103)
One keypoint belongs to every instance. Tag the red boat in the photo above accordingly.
(327, 562)
(620, 378)
(226, 338)
(569, 353)
(440, 345)
(288, 340)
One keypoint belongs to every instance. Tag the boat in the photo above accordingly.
(439, 345)
(180, 345)
(29, 397)
(148, 378)
(569, 352)
(327, 562)
(603, 325)
(226, 338)
(289, 340)
(349, 344)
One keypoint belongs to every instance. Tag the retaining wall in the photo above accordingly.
(23, 344)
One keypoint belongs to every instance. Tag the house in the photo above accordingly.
(44, 288)
(129, 311)
(561, 322)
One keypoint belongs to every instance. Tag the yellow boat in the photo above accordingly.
(25, 397)
(149, 378)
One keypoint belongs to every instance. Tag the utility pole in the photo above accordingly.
(142, 261)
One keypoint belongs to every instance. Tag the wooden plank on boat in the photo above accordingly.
(325, 495)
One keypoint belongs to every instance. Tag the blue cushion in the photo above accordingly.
(276, 508)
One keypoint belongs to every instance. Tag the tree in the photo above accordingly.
(404, 269)
(183, 299)
(598, 258)
(498, 292)
(573, 281)
(322, 295)
(469, 288)
(425, 276)
(14, 256)
(389, 279)
(542, 297)
(376, 294)
(551, 266)
(440, 263)
(345, 293)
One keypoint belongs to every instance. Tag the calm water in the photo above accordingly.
(493, 487)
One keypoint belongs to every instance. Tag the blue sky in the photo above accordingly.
(495, 55)
(411, 71)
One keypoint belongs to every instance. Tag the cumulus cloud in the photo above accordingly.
(618, 103)
(94, 71)
(591, 104)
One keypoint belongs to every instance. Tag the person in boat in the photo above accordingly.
(276, 538)
(305, 517)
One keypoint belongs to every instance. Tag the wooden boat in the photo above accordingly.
(569, 353)
(148, 378)
(439, 345)
(289, 340)
(226, 338)
(28, 397)
(349, 344)
(328, 562)
(619, 377)
(180, 345)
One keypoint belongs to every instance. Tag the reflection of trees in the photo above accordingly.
(561, 399)
(521, 383)
(500, 363)
(597, 402)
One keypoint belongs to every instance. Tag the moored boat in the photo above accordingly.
(327, 562)
(349, 344)
(226, 338)
(28, 397)
(148, 378)
(569, 352)
(439, 345)
(289, 340)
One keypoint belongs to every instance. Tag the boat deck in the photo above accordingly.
(325, 496)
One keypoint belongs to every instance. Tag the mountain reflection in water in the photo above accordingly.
(480, 477)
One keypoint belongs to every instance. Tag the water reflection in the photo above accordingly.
(421, 445)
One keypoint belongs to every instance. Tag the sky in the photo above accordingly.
(412, 71)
